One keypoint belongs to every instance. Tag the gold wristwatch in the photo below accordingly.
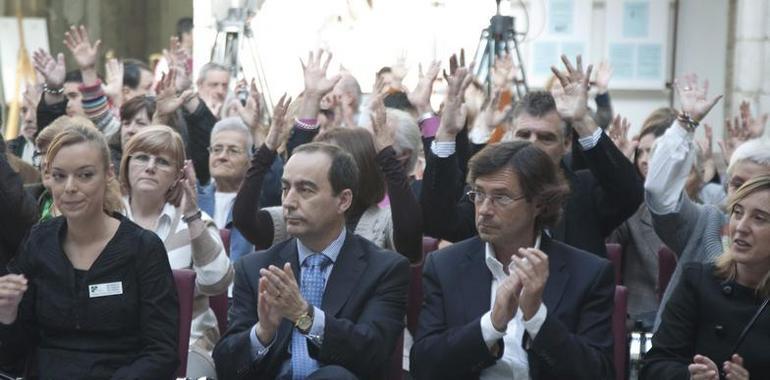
(305, 321)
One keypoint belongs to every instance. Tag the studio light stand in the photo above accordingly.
(499, 38)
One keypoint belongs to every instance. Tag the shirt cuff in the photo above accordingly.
(316, 333)
(489, 332)
(443, 149)
(536, 322)
(589, 142)
(258, 350)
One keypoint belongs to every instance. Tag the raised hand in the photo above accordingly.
(178, 58)
(384, 136)
(603, 75)
(571, 102)
(693, 98)
(453, 115)
(114, 76)
(755, 127)
(314, 70)
(706, 142)
(420, 96)
(167, 101)
(399, 70)
(278, 124)
(735, 134)
(503, 72)
(79, 43)
(12, 288)
(52, 70)
(618, 133)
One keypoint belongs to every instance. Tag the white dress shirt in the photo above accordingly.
(514, 363)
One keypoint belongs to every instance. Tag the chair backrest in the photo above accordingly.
(615, 255)
(429, 245)
(224, 233)
(396, 369)
(219, 305)
(185, 288)
(666, 266)
(620, 354)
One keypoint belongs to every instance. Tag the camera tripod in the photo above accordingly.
(499, 38)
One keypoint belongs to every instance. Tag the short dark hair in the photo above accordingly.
(541, 181)
(343, 171)
(133, 106)
(132, 72)
(73, 76)
(538, 104)
(184, 25)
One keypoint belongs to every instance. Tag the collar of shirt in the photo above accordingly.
(331, 251)
(494, 265)
(165, 219)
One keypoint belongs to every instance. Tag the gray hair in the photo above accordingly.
(211, 66)
(407, 136)
(755, 150)
(234, 124)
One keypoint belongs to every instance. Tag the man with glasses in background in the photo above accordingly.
(513, 302)
(229, 155)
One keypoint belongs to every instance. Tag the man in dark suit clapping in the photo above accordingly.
(325, 304)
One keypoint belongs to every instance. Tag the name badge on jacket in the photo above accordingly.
(106, 289)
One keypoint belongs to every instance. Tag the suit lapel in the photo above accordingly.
(347, 269)
(476, 282)
(557, 274)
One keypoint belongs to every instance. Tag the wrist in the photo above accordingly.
(264, 335)
(584, 126)
(191, 216)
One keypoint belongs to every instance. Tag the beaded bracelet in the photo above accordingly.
(51, 91)
(689, 123)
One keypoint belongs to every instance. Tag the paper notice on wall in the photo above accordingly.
(561, 16)
(637, 43)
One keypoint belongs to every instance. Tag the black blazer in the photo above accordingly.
(705, 316)
(575, 341)
(364, 303)
(601, 198)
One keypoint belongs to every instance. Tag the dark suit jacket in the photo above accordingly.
(364, 303)
(705, 315)
(601, 198)
(574, 342)
(16, 146)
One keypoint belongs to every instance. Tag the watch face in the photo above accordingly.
(304, 322)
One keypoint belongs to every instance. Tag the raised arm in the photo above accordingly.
(95, 102)
(674, 214)
(53, 103)
(255, 224)
(446, 213)
(404, 208)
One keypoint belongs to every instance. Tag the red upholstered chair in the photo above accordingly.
(219, 305)
(185, 288)
(396, 371)
(619, 331)
(666, 266)
(615, 255)
(224, 233)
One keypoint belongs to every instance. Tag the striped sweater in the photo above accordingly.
(205, 254)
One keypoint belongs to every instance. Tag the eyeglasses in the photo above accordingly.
(229, 150)
(143, 159)
(498, 200)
